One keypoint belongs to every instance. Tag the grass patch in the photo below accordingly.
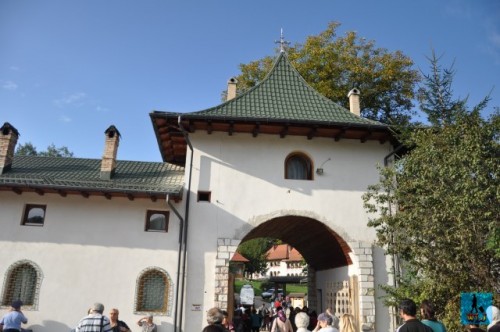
(257, 287)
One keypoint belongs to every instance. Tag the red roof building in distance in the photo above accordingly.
(237, 257)
(237, 265)
(284, 260)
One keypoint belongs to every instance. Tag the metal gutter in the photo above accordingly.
(183, 237)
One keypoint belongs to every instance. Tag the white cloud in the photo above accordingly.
(75, 99)
(65, 118)
(9, 85)
(101, 109)
(495, 38)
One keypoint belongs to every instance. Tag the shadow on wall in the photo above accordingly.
(50, 326)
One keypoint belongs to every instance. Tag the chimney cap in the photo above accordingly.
(7, 128)
(354, 91)
(232, 80)
(111, 131)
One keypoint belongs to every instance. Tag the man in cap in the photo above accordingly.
(95, 321)
(11, 322)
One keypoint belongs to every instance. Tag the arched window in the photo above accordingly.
(153, 292)
(22, 282)
(298, 167)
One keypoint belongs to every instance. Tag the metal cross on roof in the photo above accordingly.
(282, 42)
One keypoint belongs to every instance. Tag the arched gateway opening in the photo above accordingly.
(340, 271)
(321, 247)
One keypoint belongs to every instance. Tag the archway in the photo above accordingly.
(343, 266)
(313, 239)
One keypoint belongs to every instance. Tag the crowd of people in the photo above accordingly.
(278, 318)
(429, 322)
(96, 321)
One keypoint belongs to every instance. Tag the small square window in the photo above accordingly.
(204, 196)
(34, 215)
(157, 221)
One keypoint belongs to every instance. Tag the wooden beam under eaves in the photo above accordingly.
(311, 133)
(85, 194)
(62, 193)
(231, 128)
(107, 195)
(284, 131)
(209, 127)
(340, 135)
(130, 197)
(17, 191)
(256, 130)
(153, 198)
(40, 192)
(366, 136)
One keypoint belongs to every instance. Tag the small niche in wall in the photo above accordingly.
(204, 196)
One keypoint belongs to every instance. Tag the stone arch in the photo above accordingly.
(306, 234)
(316, 239)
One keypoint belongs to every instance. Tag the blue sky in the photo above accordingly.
(70, 69)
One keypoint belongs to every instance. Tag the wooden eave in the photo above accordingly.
(86, 193)
(173, 147)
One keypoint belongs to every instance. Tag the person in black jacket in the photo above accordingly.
(408, 312)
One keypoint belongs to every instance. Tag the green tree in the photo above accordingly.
(255, 251)
(28, 149)
(334, 64)
(437, 207)
(436, 98)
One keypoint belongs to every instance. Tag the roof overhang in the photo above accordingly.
(173, 146)
(86, 192)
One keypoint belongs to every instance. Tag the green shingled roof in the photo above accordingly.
(283, 96)
(84, 174)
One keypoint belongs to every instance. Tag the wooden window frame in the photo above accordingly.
(27, 209)
(307, 161)
(149, 214)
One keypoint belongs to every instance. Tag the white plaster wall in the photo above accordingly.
(245, 176)
(89, 250)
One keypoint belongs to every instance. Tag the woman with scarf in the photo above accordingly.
(281, 323)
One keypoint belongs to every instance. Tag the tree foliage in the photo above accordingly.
(334, 64)
(436, 99)
(28, 149)
(255, 251)
(437, 207)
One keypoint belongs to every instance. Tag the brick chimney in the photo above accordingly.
(231, 88)
(353, 96)
(8, 140)
(108, 163)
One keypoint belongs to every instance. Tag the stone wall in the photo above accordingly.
(225, 250)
